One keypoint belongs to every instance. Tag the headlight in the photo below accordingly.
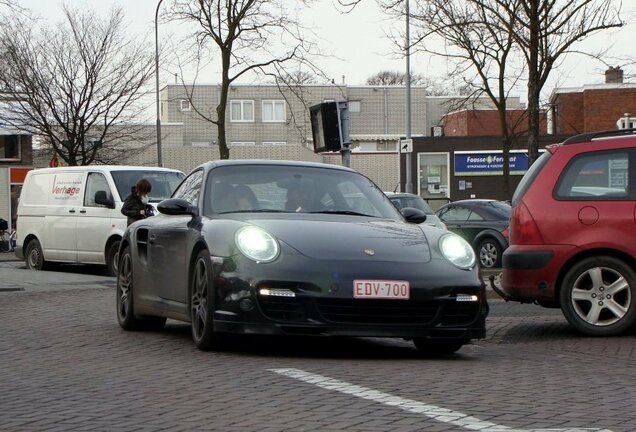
(256, 244)
(457, 250)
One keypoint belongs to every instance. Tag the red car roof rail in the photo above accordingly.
(586, 137)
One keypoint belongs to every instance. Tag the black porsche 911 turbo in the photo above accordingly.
(279, 247)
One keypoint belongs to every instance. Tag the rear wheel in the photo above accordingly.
(438, 347)
(33, 256)
(489, 252)
(125, 302)
(598, 296)
(202, 303)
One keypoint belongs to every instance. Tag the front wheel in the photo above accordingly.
(489, 252)
(598, 296)
(33, 256)
(202, 303)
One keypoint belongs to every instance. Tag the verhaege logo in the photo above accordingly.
(65, 189)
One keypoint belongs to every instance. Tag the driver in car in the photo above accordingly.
(301, 196)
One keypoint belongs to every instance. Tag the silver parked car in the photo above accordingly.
(403, 199)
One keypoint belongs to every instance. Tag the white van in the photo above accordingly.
(73, 214)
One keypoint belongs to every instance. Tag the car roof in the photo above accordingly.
(254, 162)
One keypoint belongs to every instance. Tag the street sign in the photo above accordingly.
(406, 146)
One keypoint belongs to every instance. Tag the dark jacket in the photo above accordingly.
(133, 206)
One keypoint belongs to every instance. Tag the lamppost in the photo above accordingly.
(159, 160)
(409, 181)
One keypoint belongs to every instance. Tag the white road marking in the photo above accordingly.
(431, 411)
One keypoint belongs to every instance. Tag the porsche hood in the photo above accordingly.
(377, 240)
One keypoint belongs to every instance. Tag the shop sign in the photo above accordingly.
(489, 163)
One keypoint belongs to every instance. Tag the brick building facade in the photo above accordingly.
(594, 107)
(479, 122)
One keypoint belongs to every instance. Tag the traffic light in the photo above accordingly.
(326, 126)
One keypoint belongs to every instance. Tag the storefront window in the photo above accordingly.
(433, 178)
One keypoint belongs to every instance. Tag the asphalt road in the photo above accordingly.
(65, 365)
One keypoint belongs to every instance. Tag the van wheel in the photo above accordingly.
(34, 257)
(598, 296)
(112, 258)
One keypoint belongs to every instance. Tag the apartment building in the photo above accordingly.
(271, 122)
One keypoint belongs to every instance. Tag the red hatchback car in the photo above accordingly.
(573, 233)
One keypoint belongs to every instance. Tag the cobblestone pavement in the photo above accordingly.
(65, 365)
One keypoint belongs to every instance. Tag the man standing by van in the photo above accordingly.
(136, 204)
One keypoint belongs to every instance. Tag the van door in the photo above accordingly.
(94, 221)
(60, 222)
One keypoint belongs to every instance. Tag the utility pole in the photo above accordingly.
(409, 181)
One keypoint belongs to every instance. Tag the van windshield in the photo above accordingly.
(163, 182)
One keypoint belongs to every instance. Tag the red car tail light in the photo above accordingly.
(523, 228)
(505, 232)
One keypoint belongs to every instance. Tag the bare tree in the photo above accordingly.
(478, 49)
(78, 85)
(546, 31)
(257, 36)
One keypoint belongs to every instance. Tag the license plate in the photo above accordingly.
(382, 289)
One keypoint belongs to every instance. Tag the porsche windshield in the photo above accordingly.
(294, 189)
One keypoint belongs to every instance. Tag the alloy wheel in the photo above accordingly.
(601, 296)
(124, 283)
(199, 300)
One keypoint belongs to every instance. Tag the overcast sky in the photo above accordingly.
(359, 40)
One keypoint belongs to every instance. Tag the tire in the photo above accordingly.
(598, 296)
(489, 253)
(202, 304)
(432, 347)
(33, 256)
(112, 258)
(125, 300)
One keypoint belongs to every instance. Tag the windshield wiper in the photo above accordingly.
(256, 211)
(343, 212)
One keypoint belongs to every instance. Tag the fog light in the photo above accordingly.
(276, 292)
(466, 298)
(246, 304)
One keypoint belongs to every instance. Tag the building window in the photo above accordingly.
(10, 147)
(385, 146)
(242, 110)
(184, 105)
(200, 143)
(354, 106)
(274, 143)
(242, 143)
(273, 111)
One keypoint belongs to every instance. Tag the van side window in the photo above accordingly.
(94, 183)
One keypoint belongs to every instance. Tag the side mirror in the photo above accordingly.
(101, 197)
(177, 207)
(413, 215)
